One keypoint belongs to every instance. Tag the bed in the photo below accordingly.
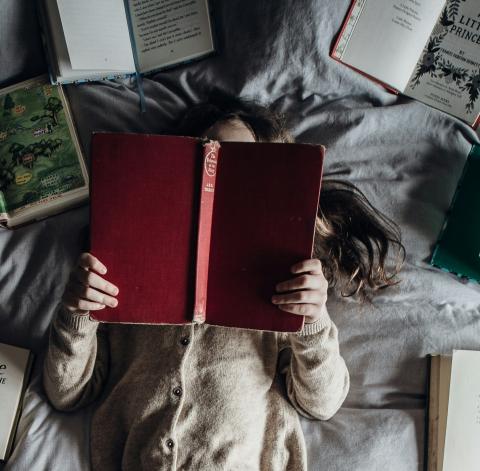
(406, 157)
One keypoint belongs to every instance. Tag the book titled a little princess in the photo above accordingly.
(427, 50)
(201, 231)
(98, 39)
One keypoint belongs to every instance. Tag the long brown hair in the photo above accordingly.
(359, 247)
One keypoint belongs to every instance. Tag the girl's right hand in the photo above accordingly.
(86, 290)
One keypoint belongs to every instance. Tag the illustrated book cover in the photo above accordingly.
(42, 170)
(429, 51)
(201, 231)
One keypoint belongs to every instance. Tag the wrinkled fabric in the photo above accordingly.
(406, 157)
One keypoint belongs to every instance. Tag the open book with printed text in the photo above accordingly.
(427, 50)
(92, 40)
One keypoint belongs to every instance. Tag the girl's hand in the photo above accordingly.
(309, 291)
(87, 291)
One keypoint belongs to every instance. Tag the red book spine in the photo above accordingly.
(210, 159)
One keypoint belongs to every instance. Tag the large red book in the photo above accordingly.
(201, 231)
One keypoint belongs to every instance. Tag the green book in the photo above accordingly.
(42, 169)
(458, 246)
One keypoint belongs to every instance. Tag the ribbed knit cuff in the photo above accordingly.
(75, 320)
(317, 326)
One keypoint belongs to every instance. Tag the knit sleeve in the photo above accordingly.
(316, 377)
(76, 364)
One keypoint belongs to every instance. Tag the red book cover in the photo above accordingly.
(159, 231)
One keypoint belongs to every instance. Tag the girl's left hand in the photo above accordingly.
(310, 293)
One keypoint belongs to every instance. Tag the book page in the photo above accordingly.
(447, 75)
(13, 362)
(462, 450)
(384, 38)
(170, 31)
(96, 34)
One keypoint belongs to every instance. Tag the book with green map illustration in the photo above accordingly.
(458, 247)
(42, 170)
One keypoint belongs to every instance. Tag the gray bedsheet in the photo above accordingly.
(405, 156)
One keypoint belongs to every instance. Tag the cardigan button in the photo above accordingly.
(170, 443)
(185, 341)
(177, 391)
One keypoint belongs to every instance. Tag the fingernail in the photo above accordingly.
(114, 303)
(103, 271)
(115, 290)
(274, 299)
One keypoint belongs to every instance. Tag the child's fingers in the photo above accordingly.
(312, 265)
(302, 282)
(298, 297)
(91, 294)
(90, 278)
(300, 309)
(89, 262)
(74, 303)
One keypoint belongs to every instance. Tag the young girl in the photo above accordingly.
(201, 397)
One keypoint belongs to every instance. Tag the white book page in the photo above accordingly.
(13, 361)
(448, 71)
(170, 31)
(96, 33)
(385, 38)
(462, 441)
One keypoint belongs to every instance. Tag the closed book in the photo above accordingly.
(15, 367)
(201, 231)
(458, 246)
(42, 170)
(453, 412)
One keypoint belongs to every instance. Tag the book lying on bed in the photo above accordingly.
(196, 231)
(15, 367)
(429, 51)
(453, 413)
(93, 40)
(458, 246)
(42, 171)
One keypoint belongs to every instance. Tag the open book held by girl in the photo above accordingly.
(202, 397)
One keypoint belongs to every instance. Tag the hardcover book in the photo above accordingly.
(201, 231)
(15, 367)
(458, 246)
(42, 171)
(428, 51)
(453, 413)
(92, 40)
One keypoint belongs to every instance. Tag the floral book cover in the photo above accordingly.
(447, 75)
(40, 159)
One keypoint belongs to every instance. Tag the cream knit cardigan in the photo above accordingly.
(194, 397)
